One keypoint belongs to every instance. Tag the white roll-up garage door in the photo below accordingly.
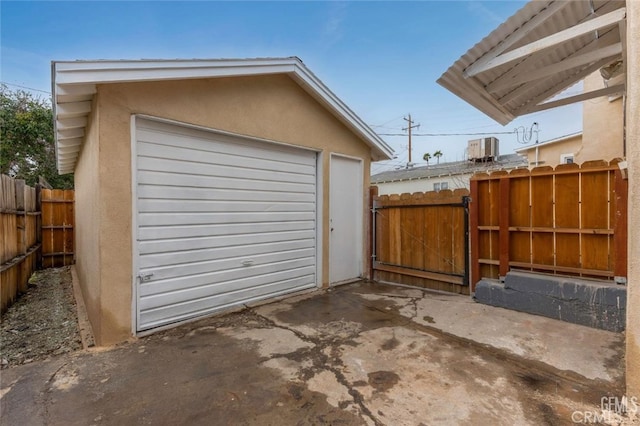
(220, 221)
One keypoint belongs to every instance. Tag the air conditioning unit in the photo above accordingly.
(484, 149)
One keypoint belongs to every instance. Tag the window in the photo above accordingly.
(566, 158)
(437, 186)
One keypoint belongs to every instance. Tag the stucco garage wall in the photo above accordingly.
(271, 107)
(87, 220)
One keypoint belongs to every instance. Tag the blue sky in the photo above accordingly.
(381, 58)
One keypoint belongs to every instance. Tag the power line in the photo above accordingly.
(449, 134)
(25, 87)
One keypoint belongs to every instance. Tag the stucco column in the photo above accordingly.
(633, 160)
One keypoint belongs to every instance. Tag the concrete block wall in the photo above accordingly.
(592, 303)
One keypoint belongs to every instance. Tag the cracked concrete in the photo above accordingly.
(358, 354)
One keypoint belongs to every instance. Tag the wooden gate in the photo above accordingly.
(57, 227)
(421, 239)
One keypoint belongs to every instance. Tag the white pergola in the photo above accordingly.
(544, 48)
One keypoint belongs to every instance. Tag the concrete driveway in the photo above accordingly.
(359, 354)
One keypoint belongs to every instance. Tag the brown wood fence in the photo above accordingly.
(57, 227)
(37, 232)
(570, 220)
(20, 226)
(421, 239)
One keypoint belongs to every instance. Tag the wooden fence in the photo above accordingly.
(57, 227)
(570, 220)
(421, 239)
(37, 232)
(20, 225)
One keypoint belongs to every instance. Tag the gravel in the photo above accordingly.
(42, 323)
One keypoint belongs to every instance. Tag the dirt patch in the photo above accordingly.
(43, 322)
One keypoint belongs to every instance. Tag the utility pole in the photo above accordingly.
(409, 127)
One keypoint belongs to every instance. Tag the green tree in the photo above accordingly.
(426, 157)
(437, 154)
(27, 148)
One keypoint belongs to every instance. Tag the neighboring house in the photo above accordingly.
(437, 177)
(553, 152)
(207, 184)
(601, 137)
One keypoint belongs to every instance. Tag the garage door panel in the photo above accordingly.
(172, 219)
(244, 252)
(160, 293)
(228, 170)
(180, 153)
(150, 236)
(221, 220)
(161, 178)
(196, 206)
(177, 245)
(168, 314)
(217, 194)
(219, 144)
(259, 263)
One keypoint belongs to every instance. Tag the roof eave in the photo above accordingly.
(74, 85)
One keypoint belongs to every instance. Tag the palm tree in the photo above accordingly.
(426, 157)
(437, 154)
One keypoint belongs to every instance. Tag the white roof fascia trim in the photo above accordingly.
(514, 37)
(120, 75)
(595, 24)
(607, 91)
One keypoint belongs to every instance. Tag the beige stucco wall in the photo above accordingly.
(549, 155)
(602, 125)
(87, 220)
(633, 159)
(271, 107)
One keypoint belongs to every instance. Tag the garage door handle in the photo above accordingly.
(331, 229)
(145, 277)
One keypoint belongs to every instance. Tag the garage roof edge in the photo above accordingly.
(74, 85)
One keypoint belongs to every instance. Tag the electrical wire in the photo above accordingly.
(24, 87)
(448, 134)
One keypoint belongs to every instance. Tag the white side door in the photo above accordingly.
(346, 219)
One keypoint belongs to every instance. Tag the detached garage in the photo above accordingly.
(203, 185)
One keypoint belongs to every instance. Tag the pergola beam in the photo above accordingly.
(607, 91)
(580, 75)
(607, 53)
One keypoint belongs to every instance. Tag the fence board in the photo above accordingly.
(567, 220)
(19, 211)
